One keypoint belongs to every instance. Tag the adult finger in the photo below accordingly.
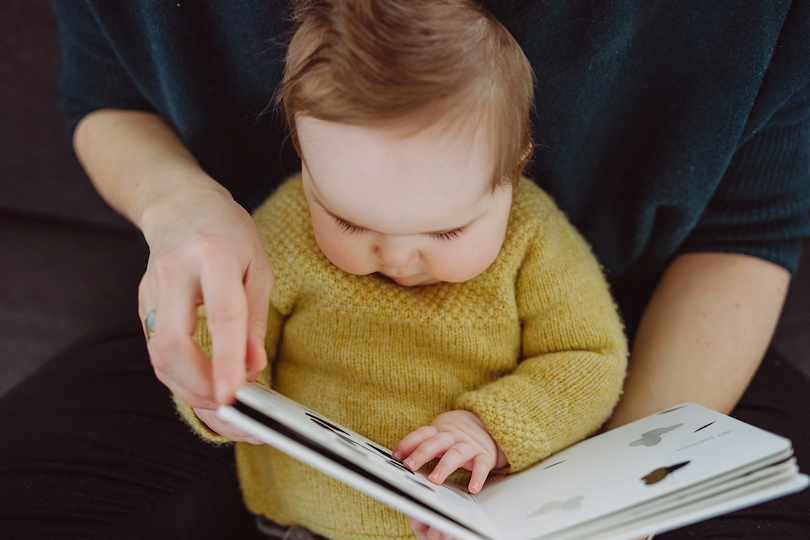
(258, 287)
(147, 295)
(178, 361)
(209, 418)
(226, 311)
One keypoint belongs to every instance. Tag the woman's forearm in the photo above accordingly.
(135, 160)
(703, 334)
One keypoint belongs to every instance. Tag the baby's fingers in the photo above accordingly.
(481, 466)
(463, 455)
(411, 442)
(432, 447)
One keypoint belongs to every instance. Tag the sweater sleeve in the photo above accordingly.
(92, 75)
(203, 338)
(574, 353)
(760, 207)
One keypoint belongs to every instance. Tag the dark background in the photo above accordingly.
(69, 265)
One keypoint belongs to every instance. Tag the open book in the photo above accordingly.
(668, 470)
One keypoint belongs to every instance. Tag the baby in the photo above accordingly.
(426, 295)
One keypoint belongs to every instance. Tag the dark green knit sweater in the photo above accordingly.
(665, 126)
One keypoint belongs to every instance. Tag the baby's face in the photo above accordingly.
(417, 208)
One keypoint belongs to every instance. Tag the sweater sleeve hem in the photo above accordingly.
(197, 425)
(785, 253)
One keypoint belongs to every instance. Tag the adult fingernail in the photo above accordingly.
(397, 456)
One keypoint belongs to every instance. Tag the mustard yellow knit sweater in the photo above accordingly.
(533, 346)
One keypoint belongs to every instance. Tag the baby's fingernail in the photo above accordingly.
(475, 487)
(397, 456)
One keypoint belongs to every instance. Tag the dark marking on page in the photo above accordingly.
(659, 474)
(385, 453)
(326, 425)
(300, 438)
(672, 409)
(653, 437)
(400, 466)
(707, 425)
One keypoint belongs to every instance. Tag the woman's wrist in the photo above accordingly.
(183, 196)
(139, 165)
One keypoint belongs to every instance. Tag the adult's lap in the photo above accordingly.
(777, 400)
(92, 448)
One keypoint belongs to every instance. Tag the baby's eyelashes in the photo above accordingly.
(345, 226)
(448, 235)
(350, 228)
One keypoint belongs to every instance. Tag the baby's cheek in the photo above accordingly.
(464, 263)
(343, 253)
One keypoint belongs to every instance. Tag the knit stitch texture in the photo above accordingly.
(533, 346)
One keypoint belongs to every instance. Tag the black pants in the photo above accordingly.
(91, 447)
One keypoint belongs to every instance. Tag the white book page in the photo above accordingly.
(633, 479)
(647, 459)
(330, 448)
(745, 491)
(683, 498)
(698, 510)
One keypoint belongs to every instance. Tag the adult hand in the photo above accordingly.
(205, 249)
(209, 418)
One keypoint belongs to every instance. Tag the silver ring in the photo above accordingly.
(150, 324)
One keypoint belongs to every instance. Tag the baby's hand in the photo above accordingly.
(461, 440)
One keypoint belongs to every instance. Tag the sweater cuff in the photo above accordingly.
(534, 415)
(197, 425)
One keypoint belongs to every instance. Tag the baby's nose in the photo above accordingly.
(397, 252)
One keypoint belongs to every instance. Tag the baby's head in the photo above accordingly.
(412, 120)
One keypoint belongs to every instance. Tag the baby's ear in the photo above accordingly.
(527, 151)
(521, 165)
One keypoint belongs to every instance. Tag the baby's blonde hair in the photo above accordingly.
(366, 62)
